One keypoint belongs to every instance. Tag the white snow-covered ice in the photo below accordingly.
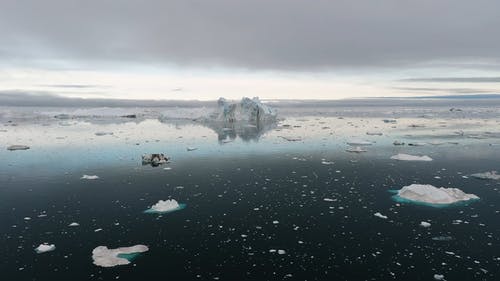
(409, 157)
(379, 215)
(45, 247)
(427, 193)
(105, 257)
(89, 177)
(164, 206)
(487, 176)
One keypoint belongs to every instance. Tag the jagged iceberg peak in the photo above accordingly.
(250, 110)
(430, 194)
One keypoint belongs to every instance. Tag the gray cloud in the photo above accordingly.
(454, 79)
(447, 90)
(257, 34)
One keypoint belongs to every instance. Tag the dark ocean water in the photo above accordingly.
(244, 200)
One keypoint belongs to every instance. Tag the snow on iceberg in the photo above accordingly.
(429, 194)
(487, 176)
(249, 110)
(105, 257)
(408, 157)
(45, 247)
(165, 206)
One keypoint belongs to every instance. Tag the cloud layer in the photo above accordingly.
(258, 34)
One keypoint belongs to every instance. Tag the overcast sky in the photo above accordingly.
(185, 49)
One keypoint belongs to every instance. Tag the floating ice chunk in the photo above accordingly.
(327, 162)
(396, 142)
(389, 120)
(427, 193)
(408, 157)
(89, 177)
(281, 252)
(18, 147)
(374, 133)
(291, 138)
(74, 224)
(359, 142)
(377, 214)
(417, 144)
(105, 257)
(103, 133)
(190, 148)
(487, 176)
(438, 277)
(328, 199)
(165, 206)
(356, 149)
(45, 247)
(154, 159)
(425, 224)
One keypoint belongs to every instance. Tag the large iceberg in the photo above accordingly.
(429, 194)
(105, 257)
(248, 110)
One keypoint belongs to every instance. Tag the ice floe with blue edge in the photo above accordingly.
(426, 194)
(105, 257)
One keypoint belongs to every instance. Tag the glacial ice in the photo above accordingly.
(250, 110)
(165, 206)
(356, 149)
(89, 177)
(377, 214)
(426, 193)
(408, 157)
(45, 247)
(487, 176)
(105, 257)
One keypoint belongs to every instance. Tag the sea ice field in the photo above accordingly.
(307, 196)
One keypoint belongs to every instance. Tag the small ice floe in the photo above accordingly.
(165, 206)
(396, 142)
(379, 215)
(18, 147)
(438, 277)
(417, 144)
(154, 159)
(408, 157)
(74, 224)
(45, 247)
(429, 194)
(389, 121)
(487, 176)
(105, 257)
(103, 133)
(425, 224)
(291, 138)
(359, 143)
(89, 177)
(327, 162)
(371, 133)
(442, 238)
(328, 199)
(191, 148)
(281, 252)
(356, 149)
(98, 230)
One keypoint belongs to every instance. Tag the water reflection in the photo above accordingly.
(246, 131)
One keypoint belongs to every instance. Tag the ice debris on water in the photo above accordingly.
(409, 157)
(356, 149)
(103, 133)
(425, 224)
(430, 194)
(379, 215)
(89, 177)
(487, 176)
(74, 224)
(165, 206)
(438, 277)
(154, 159)
(105, 257)
(45, 247)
